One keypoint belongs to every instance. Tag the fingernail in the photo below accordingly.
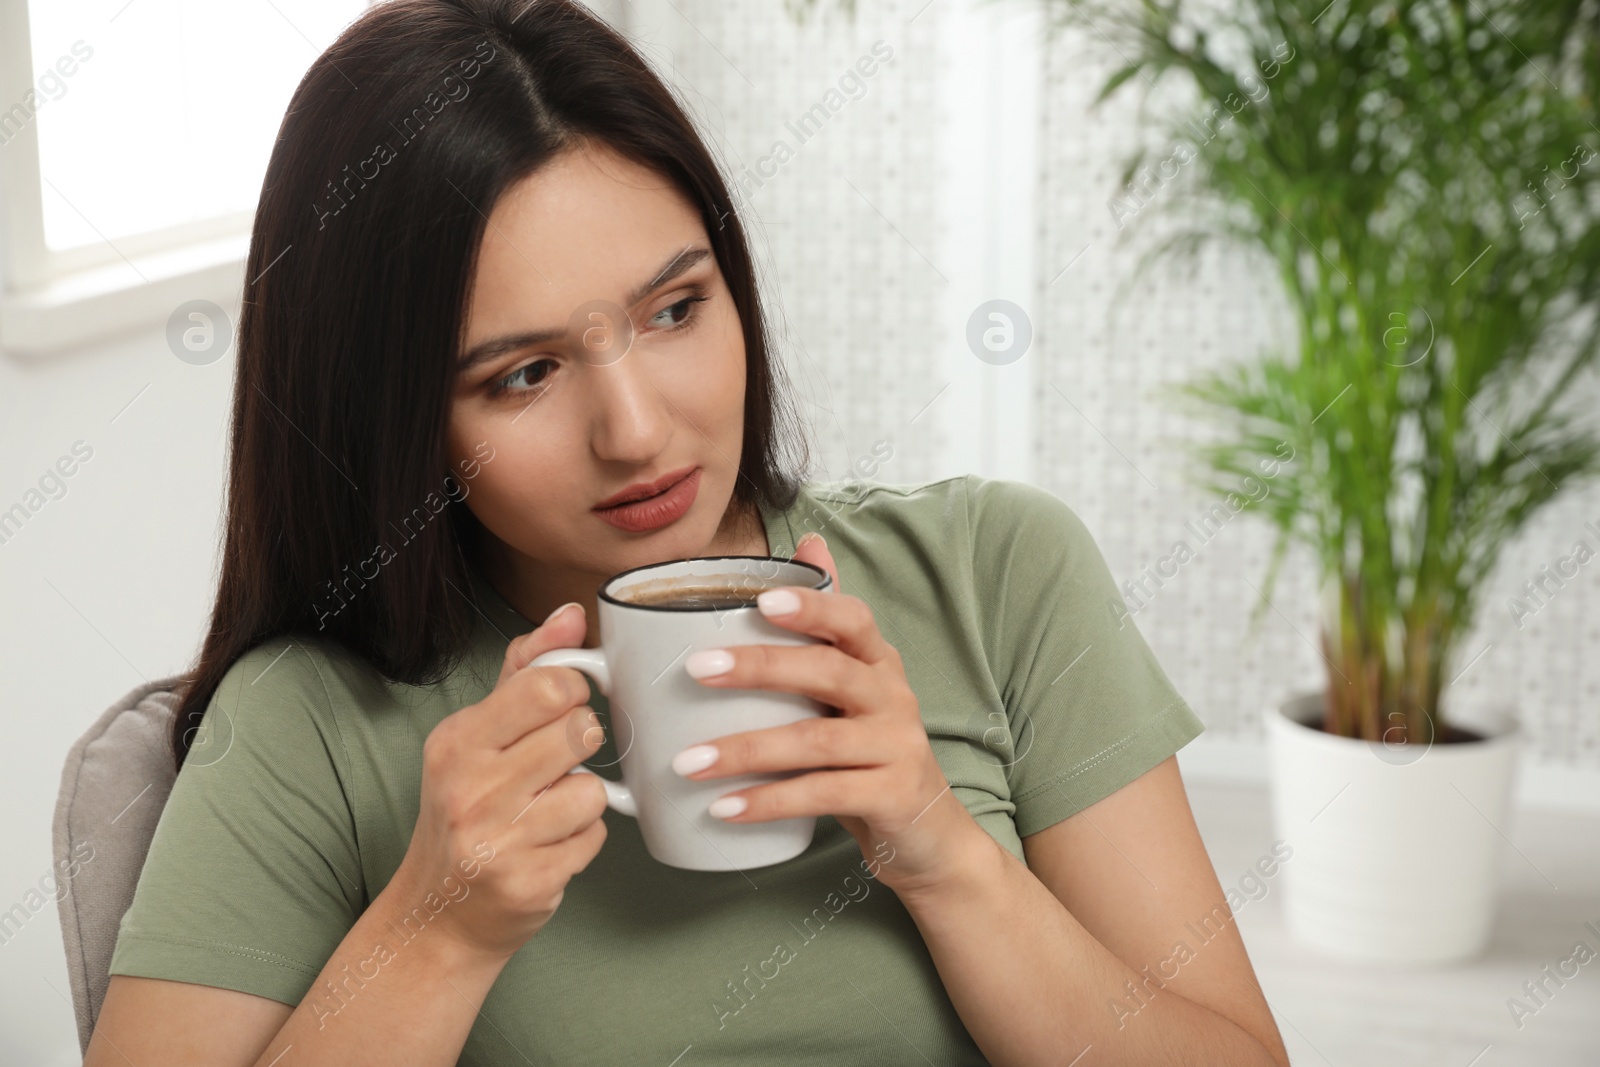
(810, 536)
(778, 602)
(708, 662)
(694, 758)
(548, 619)
(727, 807)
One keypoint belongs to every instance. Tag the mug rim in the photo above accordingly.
(607, 597)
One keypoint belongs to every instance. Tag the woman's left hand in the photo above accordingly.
(883, 783)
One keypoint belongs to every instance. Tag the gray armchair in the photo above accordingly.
(115, 783)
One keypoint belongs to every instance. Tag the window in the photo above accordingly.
(133, 139)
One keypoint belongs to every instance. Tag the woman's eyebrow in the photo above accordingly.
(499, 346)
(677, 265)
(496, 347)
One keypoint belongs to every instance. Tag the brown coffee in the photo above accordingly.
(719, 594)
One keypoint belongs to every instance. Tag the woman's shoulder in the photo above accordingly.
(291, 689)
(985, 510)
(292, 666)
(299, 686)
(274, 671)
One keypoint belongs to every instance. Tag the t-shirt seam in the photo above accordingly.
(243, 951)
(820, 489)
(1088, 763)
(971, 578)
(983, 628)
(348, 776)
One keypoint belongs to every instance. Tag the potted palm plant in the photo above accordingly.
(1422, 178)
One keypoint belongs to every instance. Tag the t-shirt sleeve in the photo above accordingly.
(253, 875)
(1088, 706)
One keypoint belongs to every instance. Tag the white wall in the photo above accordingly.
(105, 587)
(876, 240)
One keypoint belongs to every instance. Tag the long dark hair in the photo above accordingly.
(391, 155)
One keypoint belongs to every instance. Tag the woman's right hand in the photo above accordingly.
(502, 826)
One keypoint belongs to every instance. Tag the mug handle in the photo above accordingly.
(592, 661)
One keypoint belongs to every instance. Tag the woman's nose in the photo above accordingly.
(632, 418)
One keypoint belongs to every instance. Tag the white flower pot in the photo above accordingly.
(1396, 847)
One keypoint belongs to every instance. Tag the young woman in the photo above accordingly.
(496, 285)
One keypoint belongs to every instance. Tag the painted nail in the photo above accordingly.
(548, 619)
(694, 758)
(727, 807)
(778, 602)
(708, 662)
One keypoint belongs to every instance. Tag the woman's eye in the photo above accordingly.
(521, 379)
(530, 376)
(678, 313)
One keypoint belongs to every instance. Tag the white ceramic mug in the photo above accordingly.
(658, 710)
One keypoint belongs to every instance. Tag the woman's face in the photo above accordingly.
(587, 250)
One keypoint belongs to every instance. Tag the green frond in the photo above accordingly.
(1429, 201)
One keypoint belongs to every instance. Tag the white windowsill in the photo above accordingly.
(117, 299)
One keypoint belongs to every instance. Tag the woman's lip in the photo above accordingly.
(657, 511)
(666, 482)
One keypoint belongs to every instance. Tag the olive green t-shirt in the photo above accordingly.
(1039, 699)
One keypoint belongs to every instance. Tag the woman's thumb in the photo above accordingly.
(564, 627)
